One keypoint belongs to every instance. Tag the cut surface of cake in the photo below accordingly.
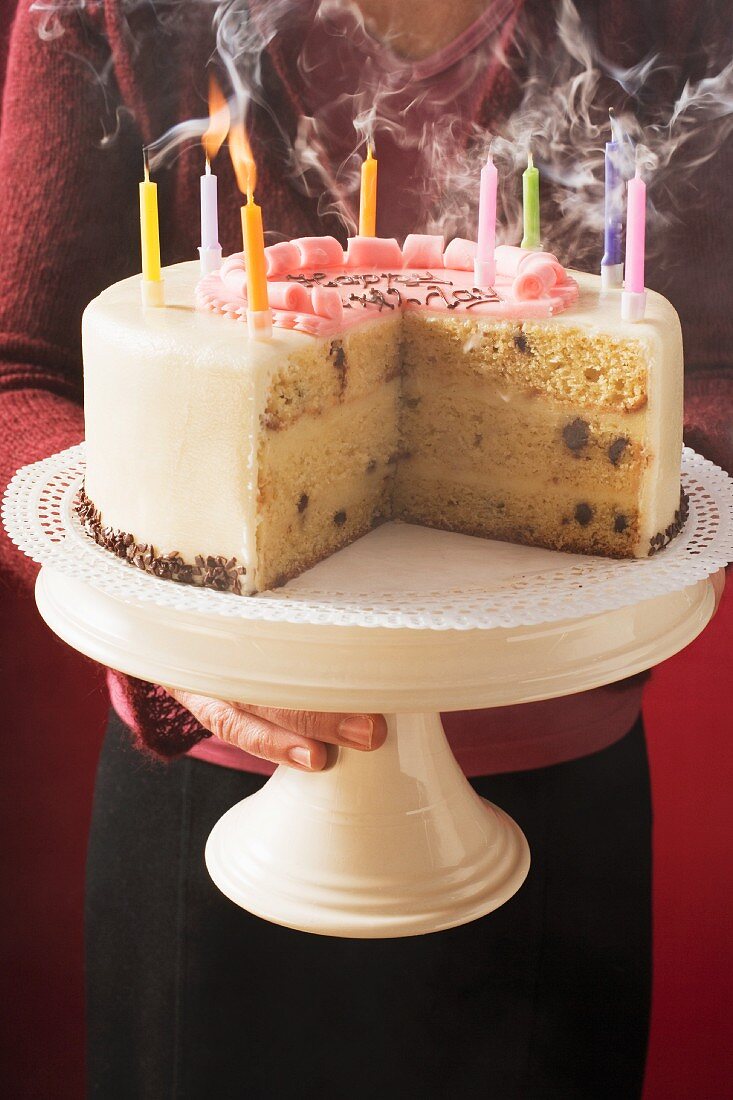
(391, 388)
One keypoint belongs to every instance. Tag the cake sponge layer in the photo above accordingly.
(330, 371)
(568, 364)
(558, 520)
(325, 480)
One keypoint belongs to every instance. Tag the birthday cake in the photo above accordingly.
(391, 388)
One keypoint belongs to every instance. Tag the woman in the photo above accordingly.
(189, 996)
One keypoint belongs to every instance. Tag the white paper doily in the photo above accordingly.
(398, 575)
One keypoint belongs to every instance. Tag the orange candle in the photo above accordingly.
(368, 198)
(259, 317)
(254, 255)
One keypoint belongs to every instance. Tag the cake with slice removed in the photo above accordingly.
(392, 388)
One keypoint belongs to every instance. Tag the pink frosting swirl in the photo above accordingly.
(314, 288)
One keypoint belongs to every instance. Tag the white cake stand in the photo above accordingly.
(408, 622)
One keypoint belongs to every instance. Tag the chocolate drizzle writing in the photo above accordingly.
(374, 294)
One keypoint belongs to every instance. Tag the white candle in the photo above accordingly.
(484, 266)
(209, 210)
(210, 250)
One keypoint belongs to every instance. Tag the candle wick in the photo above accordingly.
(530, 159)
(146, 165)
(370, 149)
(208, 165)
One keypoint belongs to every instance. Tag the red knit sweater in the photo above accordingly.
(68, 214)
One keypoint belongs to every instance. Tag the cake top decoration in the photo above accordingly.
(315, 287)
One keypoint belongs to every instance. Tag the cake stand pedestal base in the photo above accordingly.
(391, 843)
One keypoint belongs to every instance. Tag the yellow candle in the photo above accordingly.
(368, 199)
(254, 255)
(149, 237)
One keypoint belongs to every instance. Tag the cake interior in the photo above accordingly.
(529, 432)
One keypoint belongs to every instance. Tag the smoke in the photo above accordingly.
(561, 115)
(563, 118)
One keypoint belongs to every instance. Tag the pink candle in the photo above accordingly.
(484, 268)
(635, 235)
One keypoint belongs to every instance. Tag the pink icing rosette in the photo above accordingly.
(534, 274)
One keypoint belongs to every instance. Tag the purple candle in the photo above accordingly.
(612, 262)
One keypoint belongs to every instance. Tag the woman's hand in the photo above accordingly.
(295, 737)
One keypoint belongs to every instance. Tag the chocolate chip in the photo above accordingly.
(478, 439)
(575, 434)
(371, 465)
(521, 343)
(411, 402)
(302, 502)
(583, 514)
(338, 355)
(617, 448)
(340, 519)
(620, 523)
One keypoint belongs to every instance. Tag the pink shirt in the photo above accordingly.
(344, 63)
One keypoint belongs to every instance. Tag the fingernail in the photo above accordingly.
(300, 755)
(357, 730)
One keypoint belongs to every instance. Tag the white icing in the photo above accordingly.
(174, 396)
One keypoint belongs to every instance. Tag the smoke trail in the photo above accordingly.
(562, 115)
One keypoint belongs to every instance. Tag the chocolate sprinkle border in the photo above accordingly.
(217, 572)
(663, 538)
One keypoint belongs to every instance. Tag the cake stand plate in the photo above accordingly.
(408, 622)
(394, 842)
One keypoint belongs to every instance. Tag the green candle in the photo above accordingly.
(531, 205)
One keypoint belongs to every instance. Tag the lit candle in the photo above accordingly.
(484, 266)
(152, 283)
(531, 205)
(210, 250)
(633, 299)
(259, 315)
(368, 197)
(612, 268)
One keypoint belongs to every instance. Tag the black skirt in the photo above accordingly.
(192, 997)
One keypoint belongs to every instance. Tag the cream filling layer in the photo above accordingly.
(503, 482)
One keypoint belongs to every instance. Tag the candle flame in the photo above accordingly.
(218, 127)
(242, 159)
